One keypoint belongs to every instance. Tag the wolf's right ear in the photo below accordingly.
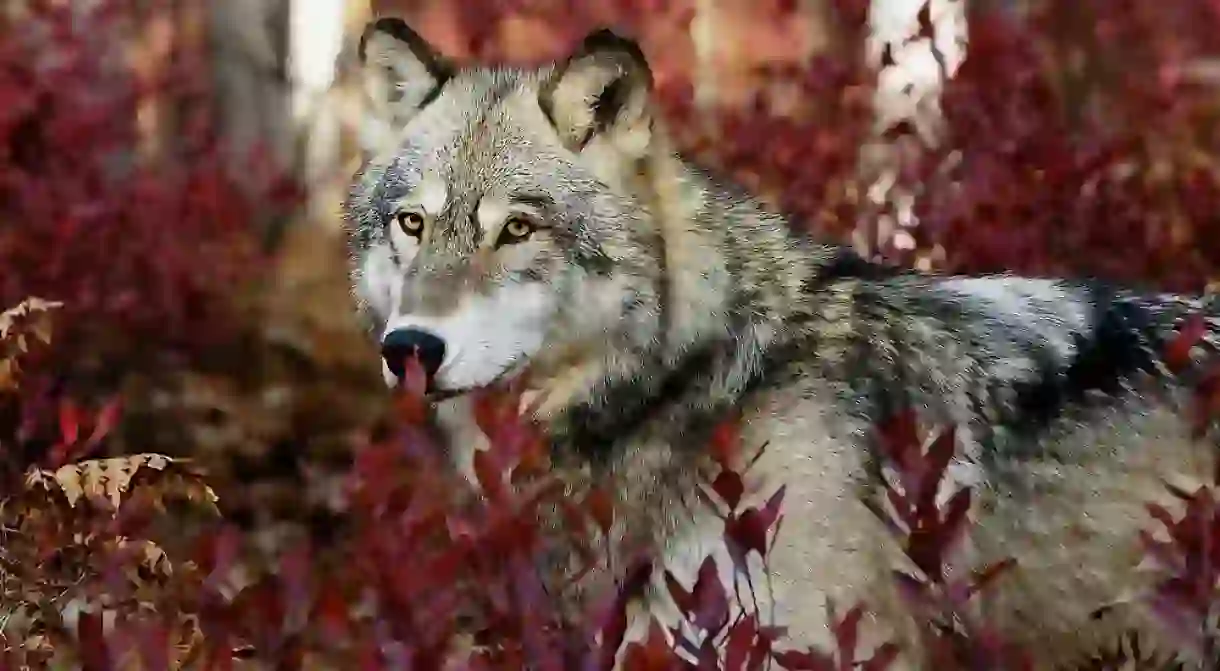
(601, 90)
(401, 72)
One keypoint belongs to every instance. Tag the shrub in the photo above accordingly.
(139, 229)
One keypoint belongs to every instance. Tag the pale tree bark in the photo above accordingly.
(248, 41)
(327, 104)
(912, 70)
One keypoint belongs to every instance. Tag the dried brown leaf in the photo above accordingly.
(109, 479)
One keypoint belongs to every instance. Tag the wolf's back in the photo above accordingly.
(1018, 353)
(1073, 422)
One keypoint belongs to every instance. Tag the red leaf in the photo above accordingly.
(69, 421)
(747, 532)
(770, 511)
(711, 604)
(726, 444)
(410, 396)
(220, 657)
(216, 553)
(488, 409)
(331, 611)
(601, 508)
(807, 660)
(708, 657)
(901, 507)
(932, 473)
(154, 645)
(846, 633)
(683, 599)
(654, 654)
(614, 628)
(95, 654)
(1177, 352)
(743, 638)
(1161, 514)
(912, 591)
(371, 658)
(954, 520)
(106, 420)
(414, 377)
(983, 577)
(941, 451)
(729, 487)
(883, 658)
(900, 438)
(295, 578)
(490, 476)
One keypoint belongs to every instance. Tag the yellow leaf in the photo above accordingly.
(34, 307)
(69, 480)
(8, 374)
(158, 461)
(109, 480)
(41, 329)
(152, 555)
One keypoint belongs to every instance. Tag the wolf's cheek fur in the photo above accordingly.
(375, 283)
(487, 334)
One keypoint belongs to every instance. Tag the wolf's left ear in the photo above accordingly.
(402, 73)
(601, 90)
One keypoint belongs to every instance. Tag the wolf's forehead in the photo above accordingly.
(486, 127)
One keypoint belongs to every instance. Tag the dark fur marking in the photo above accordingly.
(609, 103)
(698, 427)
(594, 429)
(634, 73)
(437, 65)
(847, 264)
(596, 261)
(1121, 344)
(433, 94)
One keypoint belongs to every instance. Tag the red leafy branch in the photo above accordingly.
(931, 532)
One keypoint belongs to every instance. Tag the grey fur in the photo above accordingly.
(663, 300)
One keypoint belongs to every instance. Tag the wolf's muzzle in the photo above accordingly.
(402, 343)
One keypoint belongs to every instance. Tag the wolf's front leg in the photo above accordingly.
(828, 550)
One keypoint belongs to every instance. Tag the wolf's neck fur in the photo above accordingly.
(732, 303)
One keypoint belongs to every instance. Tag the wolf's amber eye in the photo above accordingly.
(411, 223)
(517, 229)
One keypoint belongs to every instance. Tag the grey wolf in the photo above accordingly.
(540, 222)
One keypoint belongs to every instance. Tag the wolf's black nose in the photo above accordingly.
(402, 343)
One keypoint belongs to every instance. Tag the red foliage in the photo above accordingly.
(141, 232)
(1081, 146)
(1185, 599)
(930, 532)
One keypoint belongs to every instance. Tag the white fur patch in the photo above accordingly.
(377, 278)
(433, 195)
(486, 335)
(1014, 295)
(394, 80)
(1033, 301)
(492, 212)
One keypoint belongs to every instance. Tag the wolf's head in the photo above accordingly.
(499, 225)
